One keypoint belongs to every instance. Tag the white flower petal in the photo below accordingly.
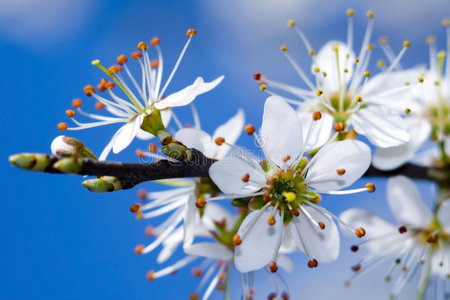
(190, 220)
(216, 213)
(188, 94)
(326, 61)
(382, 128)
(194, 138)
(444, 215)
(230, 131)
(227, 175)
(320, 133)
(285, 262)
(321, 244)
(281, 131)
(406, 203)
(210, 250)
(260, 241)
(127, 134)
(394, 157)
(110, 144)
(352, 156)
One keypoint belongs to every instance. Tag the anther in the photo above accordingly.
(312, 263)
(340, 172)
(220, 286)
(319, 92)
(285, 296)
(431, 239)
(271, 220)
(62, 126)
(197, 272)
(370, 47)
(284, 48)
(381, 63)
(446, 22)
(138, 249)
(136, 55)
(99, 105)
(151, 275)
(312, 52)
(407, 111)
(336, 47)
(257, 76)
(367, 73)
(398, 261)
(339, 126)
(245, 178)
(317, 115)
(431, 39)
(200, 203)
(250, 129)
(316, 70)
(383, 40)
(321, 225)
(70, 113)
(219, 141)
(402, 229)
(237, 240)
(370, 187)
(149, 230)
(354, 248)
(387, 278)
(370, 14)
(263, 87)
(420, 79)
(152, 148)
(286, 158)
(358, 99)
(193, 296)
(114, 69)
(142, 46)
(154, 64)
(291, 23)
(346, 70)
(356, 268)
(155, 41)
(142, 194)
(122, 59)
(360, 232)
(273, 267)
(110, 85)
(406, 44)
(191, 32)
(272, 296)
(76, 103)
(89, 90)
(140, 153)
(350, 12)
(324, 74)
(135, 208)
(295, 212)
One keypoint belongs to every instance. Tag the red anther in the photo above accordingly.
(321, 225)
(312, 263)
(76, 103)
(250, 129)
(152, 148)
(257, 76)
(340, 171)
(285, 296)
(62, 126)
(193, 296)
(142, 46)
(370, 187)
(155, 41)
(273, 267)
(339, 126)
(140, 153)
(271, 296)
(237, 240)
(191, 32)
(295, 212)
(197, 272)
(286, 158)
(219, 141)
(317, 115)
(271, 220)
(354, 248)
(142, 194)
(151, 275)
(356, 268)
(360, 232)
(245, 178)
(89, 90)
(154, 64)
(149, 230)
(402, 229)
(136, 55)
(99, 105)
(70, 113)
(138, 249)
(110, 85)
(135, 208)
(431, 239)
(201, 202)
(122, 59)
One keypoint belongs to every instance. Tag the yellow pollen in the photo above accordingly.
(436, 82)
(263, 87)
(316, 69)
(406, 44)
(284, 48)
(370, 47)
(312, 52)
(370, 14)
(345, 70)
(290, 196)
(407, 83)
(350, 12)
(381, 63)
(383, 40)
(441, 54)
(291, 23)
(336, 47)
(95, 62)
(367, 73)
(420, 79)
(431, 39)
(446, 22)
(319, 92)
(407, 111)
(359, 99)
(356, 60)
(324, 74)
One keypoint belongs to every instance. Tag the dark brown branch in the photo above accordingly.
(409, 170)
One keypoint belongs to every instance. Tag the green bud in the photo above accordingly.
(67, 146)
(177, 151)
(30, 161)
(164, 137)
(152, 122)
(69, 165)
(103, 184)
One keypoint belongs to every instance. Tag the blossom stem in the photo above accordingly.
(426, 276)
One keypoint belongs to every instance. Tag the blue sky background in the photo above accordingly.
(58, 241)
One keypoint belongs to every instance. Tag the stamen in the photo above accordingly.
(250, 129)
(70, 113)
(406, 45)
(62, 126)
(219, 141)
(89, 90)
(138, 249)
(350, 13)
(273, 267)
(297, 68)
(340, 172)
(370, 187)
(76, 103)
(237, 240)
(136, 55)
(317, 115)
(155, 41)
(313, 263)
(142, 194)
(402, 229)
(360, 232)
(245, 178)
(201, 202)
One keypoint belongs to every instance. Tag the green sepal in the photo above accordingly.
(288, 217)
(152, 122)
(80, 149)
(241, 202)
(257, 202)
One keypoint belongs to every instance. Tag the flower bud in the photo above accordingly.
(103, 184)
(69, 165)
(67, 147)
(30, 161)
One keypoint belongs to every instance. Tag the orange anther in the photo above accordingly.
(245, 178)
(89, 90)
(312, 263)
(321, 225)
(273, 267)
(152, 148)
(360, 232)
(62, 126)
(142, 194)
(142, 46)
(115, 69)
(237, 240)
(193, 296)
(99, 105)
(140, 153)
(122, 59)
(149, 230)
(154, 64)
(286, 158)
(257, 76)
(76, 103)
(431, 239)
(70, 113)
(220, 286)
(135, 208)
(339, 126)
(370, 187)
(138, 249)
(155, 41)
(136, 55)
(295, 212)
(250, 129)
(340, 171)
(201, 202)
(219, 141)
(271, 220)
(110, 85)
(197, 272)
(317, 115)
(151, 275)
(356, 268)
(191, 32)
